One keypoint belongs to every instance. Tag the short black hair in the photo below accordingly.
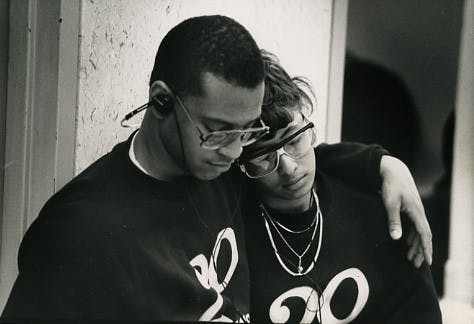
(215, 44)
(282, 94)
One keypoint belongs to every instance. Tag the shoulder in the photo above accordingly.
(357, 209)
(76, 216)
(110, 165)
(345, 191)
(99, 182)
(59, 233)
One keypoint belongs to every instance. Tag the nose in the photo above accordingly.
(287, 165)
(232, 151)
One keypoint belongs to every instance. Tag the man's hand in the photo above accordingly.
(399, 194)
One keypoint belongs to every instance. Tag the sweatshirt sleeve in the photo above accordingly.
(354, 163)
(404, 294)
(411, 297)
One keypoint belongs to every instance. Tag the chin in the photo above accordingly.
(207, 177)
(207, 174)
(300, 192)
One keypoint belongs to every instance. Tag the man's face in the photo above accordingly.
(294, 177)
(222, 107)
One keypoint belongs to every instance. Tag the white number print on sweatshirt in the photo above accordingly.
(207, 276)
(281, 314)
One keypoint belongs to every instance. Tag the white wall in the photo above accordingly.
(119, 40)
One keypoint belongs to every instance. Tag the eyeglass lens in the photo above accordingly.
(216, 140)
(267, 163)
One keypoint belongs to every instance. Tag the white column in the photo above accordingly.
(459, 299)
(336, 72)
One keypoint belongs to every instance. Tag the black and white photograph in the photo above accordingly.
(242, 161)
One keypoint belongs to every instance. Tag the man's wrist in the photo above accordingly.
(383, 167)
(389, 165)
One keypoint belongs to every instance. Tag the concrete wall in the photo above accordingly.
(119, 39)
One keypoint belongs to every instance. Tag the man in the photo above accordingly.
(153, 229)
(317, 251)
(137, 234)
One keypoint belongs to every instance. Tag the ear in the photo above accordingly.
(161, 98)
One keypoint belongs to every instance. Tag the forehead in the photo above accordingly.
(283, 133)
(226, 103)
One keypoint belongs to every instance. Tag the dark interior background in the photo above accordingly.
(415, 43)
(399, 91)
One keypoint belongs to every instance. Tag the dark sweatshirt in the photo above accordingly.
(115, 243)
(361, 274)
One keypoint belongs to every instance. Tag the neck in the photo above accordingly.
(297, 205)
(153, 156)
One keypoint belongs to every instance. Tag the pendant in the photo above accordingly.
(300, 268)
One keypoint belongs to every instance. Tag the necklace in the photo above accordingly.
(289, 230)
(299, 268)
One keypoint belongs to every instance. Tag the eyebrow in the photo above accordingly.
(225, 124)
(290, 131)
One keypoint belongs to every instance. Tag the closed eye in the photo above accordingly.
(296, 140)
(216, 126)
(259, 159)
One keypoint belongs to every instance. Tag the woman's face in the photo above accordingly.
(294, 176)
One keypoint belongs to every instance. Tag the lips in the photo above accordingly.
(294, 183)
(221, 165)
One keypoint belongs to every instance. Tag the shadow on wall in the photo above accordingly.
(378, 108)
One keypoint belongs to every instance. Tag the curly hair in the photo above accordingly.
(283, 94)
(215, 44)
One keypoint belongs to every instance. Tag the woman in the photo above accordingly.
(317, 247)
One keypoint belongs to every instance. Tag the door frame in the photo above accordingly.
(40, 122)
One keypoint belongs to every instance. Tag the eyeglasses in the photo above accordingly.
(263, 161)
(217, 139)
(209, 140)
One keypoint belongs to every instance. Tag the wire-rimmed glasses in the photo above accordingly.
(217, 139)
(263, 161)
(209, 140)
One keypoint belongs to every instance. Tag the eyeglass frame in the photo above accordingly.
(205, 137)
(202, 136)
(275, 148)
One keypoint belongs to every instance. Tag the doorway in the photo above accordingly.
(4, 22)
(400, 89)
